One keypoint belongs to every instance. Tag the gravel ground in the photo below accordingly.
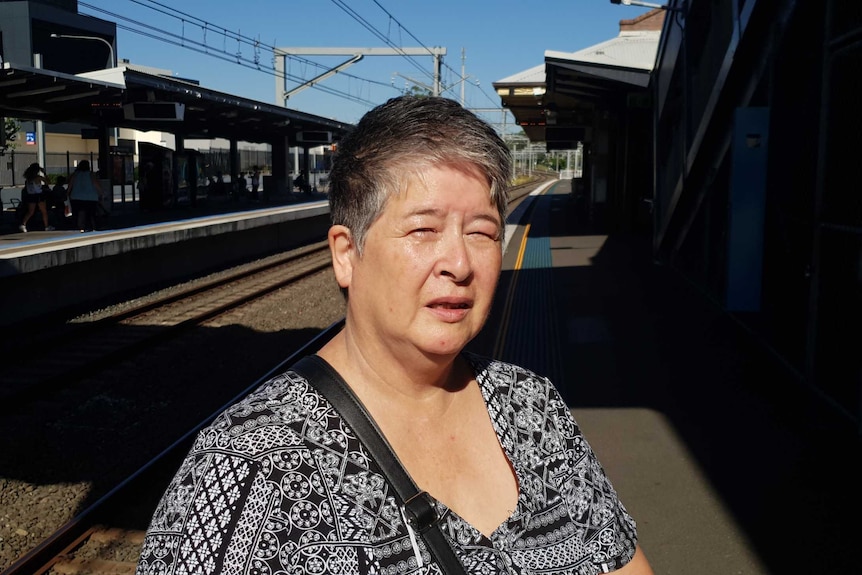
(62, 454)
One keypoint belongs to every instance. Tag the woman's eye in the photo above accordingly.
(492, 235)
(421, 231)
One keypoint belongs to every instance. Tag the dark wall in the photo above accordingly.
(15, 33)
(26, 28)
(69, 5)
(800, 60)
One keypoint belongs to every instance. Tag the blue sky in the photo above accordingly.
(498, 38)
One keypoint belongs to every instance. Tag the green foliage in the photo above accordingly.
(522, 179)
(11, 127)
(418, 91)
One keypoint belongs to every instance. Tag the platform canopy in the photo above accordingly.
(36, 94)
(102, 98)
(557, 102)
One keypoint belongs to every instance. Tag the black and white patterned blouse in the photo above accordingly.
(279, 484)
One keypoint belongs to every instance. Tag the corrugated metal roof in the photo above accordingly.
(531, 76)
(636, 49)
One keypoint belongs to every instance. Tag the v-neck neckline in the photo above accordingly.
(479, 367)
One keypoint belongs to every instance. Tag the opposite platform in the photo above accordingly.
(45, 272)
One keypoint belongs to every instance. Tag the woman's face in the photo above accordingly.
(429, 266)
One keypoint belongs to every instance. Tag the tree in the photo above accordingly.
(9, 134)
(419, 91)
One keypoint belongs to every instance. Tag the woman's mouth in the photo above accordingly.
(450, 310)
(448, 305)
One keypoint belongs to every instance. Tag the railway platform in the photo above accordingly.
(728, 464)
(44, 272)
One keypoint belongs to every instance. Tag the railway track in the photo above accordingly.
(91, 543)
(79, 350)
(98, 541)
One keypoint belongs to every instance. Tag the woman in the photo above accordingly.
(34, 196)
(279, 483)
(85, 191)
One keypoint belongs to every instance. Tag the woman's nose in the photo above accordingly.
(454, 259)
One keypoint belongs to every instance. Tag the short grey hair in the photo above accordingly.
(395, 142)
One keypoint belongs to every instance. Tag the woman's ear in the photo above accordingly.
(342, 248)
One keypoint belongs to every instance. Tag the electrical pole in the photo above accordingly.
(281, 54)
(463, 73)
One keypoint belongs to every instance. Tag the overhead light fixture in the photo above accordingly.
(649, 5)
(36, 91)
(529, 91)
(15, 82)
(102, 40)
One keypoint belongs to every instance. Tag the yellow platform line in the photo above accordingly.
(510, 296)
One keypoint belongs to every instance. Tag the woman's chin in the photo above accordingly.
(444, 346)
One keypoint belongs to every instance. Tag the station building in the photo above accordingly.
(60, 75)
(740, 137)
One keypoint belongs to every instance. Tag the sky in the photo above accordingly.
(228, 46)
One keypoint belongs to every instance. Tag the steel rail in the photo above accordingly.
(73, 533)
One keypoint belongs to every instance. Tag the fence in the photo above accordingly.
(218, 160)
(13, 163)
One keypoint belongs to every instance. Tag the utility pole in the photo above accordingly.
(39, 125)
(356, 54)
(463, 73)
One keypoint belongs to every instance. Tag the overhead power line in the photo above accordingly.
(255, 46)
(183, 41)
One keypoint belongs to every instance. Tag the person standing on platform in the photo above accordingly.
(284, 482)
(34, 196)
(255, 183)
(301, 183)
(85, 191)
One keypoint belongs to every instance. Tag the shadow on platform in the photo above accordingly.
(641, 354)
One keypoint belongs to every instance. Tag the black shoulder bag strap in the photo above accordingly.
(417, 506)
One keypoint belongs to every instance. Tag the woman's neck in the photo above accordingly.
(398, 379)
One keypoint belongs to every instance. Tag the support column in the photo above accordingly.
(278, 184)
(104, 172)
(180, 148)
(305, 165)
(234, 168)
(104, 152)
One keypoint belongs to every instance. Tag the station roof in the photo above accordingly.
(37, 94)
(98, 99)
(557, 102)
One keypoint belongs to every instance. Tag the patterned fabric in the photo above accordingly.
(279, 484)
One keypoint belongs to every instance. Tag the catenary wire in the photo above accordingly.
(256, 44)
(210, 50)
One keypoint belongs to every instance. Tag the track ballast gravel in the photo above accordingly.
(61, 454)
